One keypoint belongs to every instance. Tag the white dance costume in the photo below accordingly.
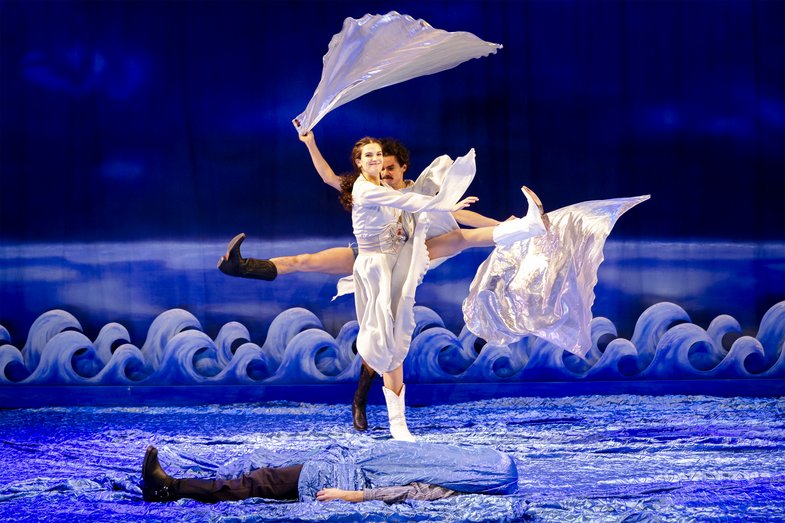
(544, 286)
(390, 265)
(428, 183)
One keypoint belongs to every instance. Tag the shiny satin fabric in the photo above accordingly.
(376, 51)
(660, 458)
(544, 286)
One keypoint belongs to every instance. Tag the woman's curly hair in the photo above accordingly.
(347, 180)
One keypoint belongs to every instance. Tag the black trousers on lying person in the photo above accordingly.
(270, 483)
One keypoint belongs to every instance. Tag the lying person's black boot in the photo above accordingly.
(233, 264)
(271, 483)
(359, 418)
(157, 484)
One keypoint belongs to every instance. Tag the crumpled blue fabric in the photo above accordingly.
(461, 468)
(625, 457)
(334, 467)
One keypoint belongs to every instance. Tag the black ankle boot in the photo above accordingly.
(235, 265)
(157, 485)
(359, 419)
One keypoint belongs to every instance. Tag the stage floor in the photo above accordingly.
(588, 458)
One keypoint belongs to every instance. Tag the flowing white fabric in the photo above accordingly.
(386, 274)
(545, 285)
(376, 51)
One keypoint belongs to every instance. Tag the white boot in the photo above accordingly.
(535, 223)
(396, 411)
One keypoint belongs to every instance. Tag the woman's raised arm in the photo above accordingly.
(326, 172)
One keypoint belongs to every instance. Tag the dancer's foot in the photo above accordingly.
(229, 263)
(233, 264)
(157, 484)
(534, 201)
(535, 223)
(396, 412)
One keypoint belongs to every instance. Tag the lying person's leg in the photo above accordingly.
(270, 483)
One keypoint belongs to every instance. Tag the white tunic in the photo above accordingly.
(390, 265)
(428, 183)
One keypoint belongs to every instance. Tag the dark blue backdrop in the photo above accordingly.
(132, 120)
(126, 123)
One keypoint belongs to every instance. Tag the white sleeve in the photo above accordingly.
(370, 194)
(429, 182)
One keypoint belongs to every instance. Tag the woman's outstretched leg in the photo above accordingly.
(458, 240)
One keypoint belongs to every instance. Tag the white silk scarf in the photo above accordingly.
(376, 51)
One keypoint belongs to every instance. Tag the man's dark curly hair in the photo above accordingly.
(392, 147)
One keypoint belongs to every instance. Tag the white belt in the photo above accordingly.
(389, 241)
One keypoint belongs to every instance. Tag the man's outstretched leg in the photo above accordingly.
(233, 264)
(535, 223)
(337, 260)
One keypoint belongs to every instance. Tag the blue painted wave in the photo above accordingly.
(298, 350)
